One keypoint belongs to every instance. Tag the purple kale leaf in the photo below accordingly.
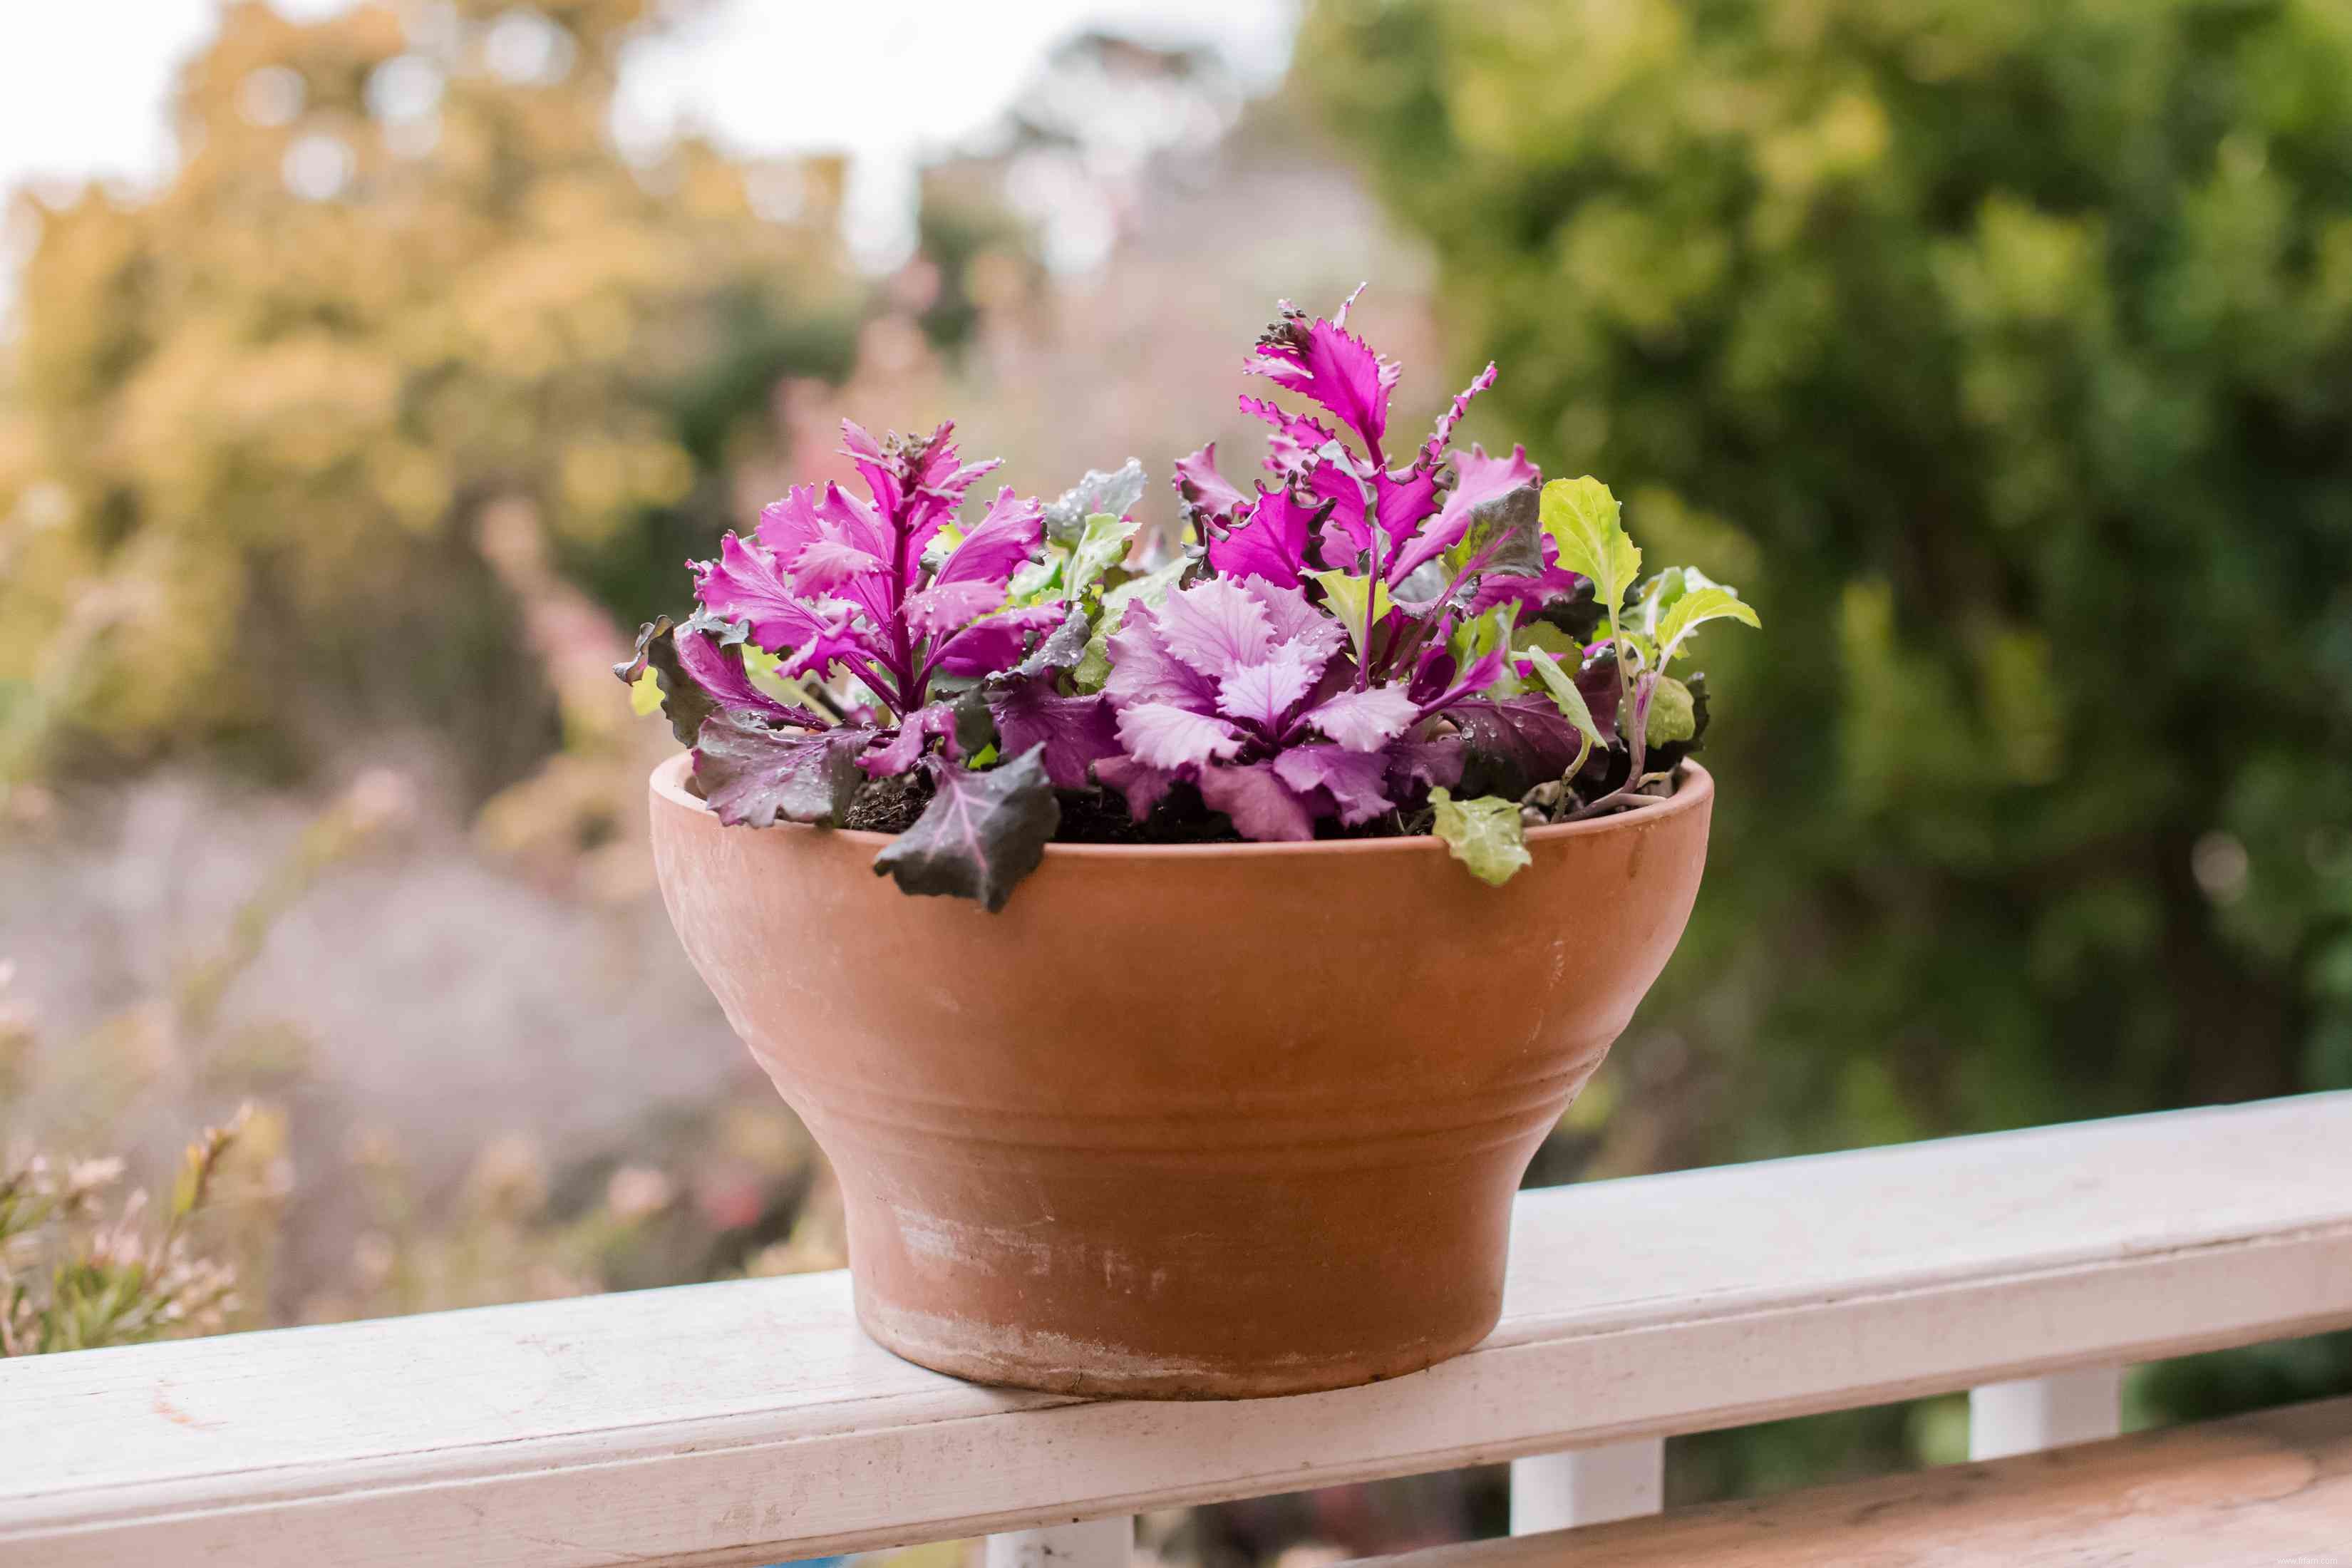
(1239, 688)
(1268, 536)
(1069, 733)
(896, 629)
(1512, 746)
(754, 776)
(980, 836)
(1411, 555)
(686, 702)
(699, 668)
(836, 584)
(1327, 362)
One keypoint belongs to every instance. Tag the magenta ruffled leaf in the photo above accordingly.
(997, 642)
(916, 483)
(1268, 540)
(1368, 719)
(1259, 803)
(999, 545)
(1202, 489)
(1483, 501)
(1262, 695)
(753, 776)
(944, 608)
(698, 675)
(746, 583)
(811, 514)
(1352, 780)
(1215, 626)
(1296, 443)
(1402, 505)
(1141, 784)
(982, 834)
(1551, 585)
(1167, 736)
(1433, 453)
(822, 565)
(711, 652)
(915, 731)
(1144, 669)
(1324, 362)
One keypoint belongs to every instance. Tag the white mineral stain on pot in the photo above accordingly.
(982, 1247)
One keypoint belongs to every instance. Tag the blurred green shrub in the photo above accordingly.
(2004, 347)
(248, 424)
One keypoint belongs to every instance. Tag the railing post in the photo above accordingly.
(1588, 1486)
(2036, 1413)
(1096, 1544)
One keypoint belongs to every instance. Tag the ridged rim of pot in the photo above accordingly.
(1697, 787)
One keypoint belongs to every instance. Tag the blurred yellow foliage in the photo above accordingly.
(402, 272)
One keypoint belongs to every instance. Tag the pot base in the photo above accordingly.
(1013, 1357)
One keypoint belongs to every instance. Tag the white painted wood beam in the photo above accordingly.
(2028, 1415)
(751, 1422)
(1089, 1543)
(1588, 1486)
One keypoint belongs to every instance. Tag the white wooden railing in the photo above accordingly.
(750, 1423)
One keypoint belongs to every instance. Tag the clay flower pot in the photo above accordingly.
(1185, 1121)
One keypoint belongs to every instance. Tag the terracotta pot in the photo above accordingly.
(1190, 1122)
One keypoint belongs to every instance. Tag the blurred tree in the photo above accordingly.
(249, 423)
(2002, 350)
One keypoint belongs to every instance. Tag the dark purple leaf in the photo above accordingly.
(1071, 734)
(698, 676)
(685, 703)
(980, 836)
(1514, 745)
(1416, 767)
(753, 774)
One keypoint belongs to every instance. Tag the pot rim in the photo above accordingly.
(1695, 789)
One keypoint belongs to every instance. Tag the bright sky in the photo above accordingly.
(83, 84)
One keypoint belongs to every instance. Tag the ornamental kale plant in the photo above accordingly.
(843, 644)
(1459, 581)
(1352, 646)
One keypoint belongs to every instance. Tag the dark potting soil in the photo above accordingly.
(1101, 817)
